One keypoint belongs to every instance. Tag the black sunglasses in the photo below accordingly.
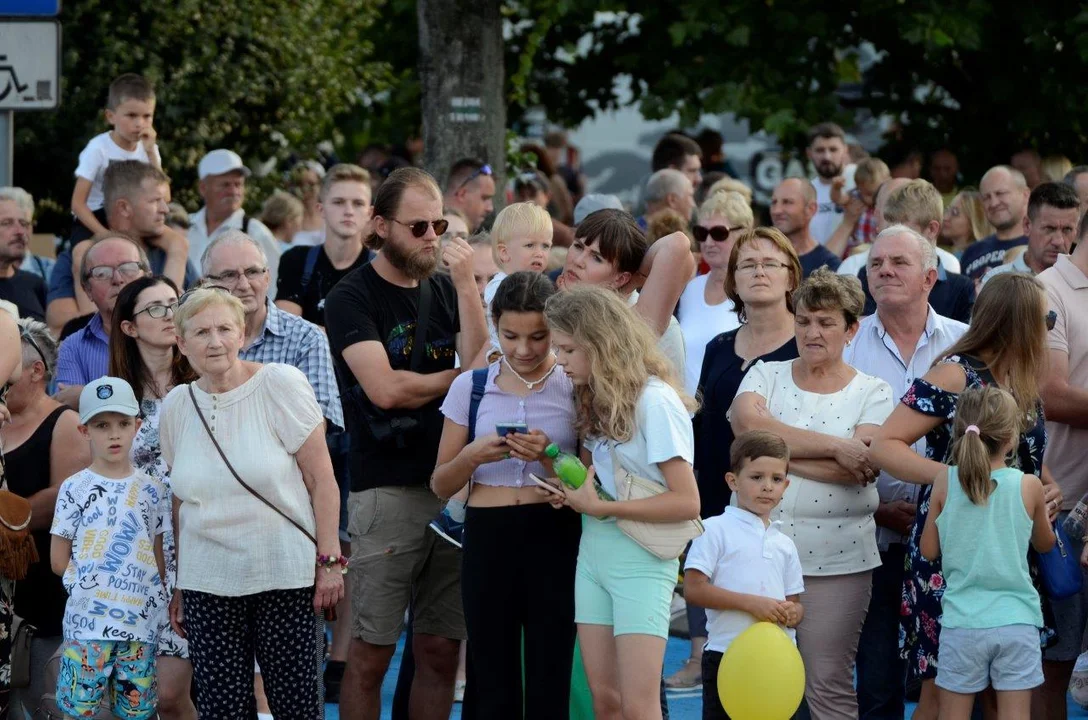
(419, 228)
(1051, 319)
(484, 169)
(719, 233)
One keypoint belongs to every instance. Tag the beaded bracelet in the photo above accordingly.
(329, 562)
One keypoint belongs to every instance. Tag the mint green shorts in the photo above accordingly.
(618, 583)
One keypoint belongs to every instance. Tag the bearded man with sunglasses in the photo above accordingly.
(112, 261)
(395, 326)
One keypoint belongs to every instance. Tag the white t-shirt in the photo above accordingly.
(671, 341)
(738, 553)
(489, 295)
(230, 543)
(113, 583)
(828, 214)
(662, 432)
(700, 323)
(832, 525)
(97, 156)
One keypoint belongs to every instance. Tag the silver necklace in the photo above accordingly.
(530, 385)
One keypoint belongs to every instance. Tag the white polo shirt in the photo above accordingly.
(873, 352)
(199, 239)
(738, 553)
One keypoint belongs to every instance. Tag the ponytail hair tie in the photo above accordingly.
(971, 429)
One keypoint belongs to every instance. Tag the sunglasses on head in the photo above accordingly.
(25, 337)
(718, 233)
(419, 227)
(484, 169)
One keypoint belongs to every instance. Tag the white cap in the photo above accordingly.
(590, 204)
(107, 394)
(221, 162)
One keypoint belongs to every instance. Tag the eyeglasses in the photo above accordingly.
(719, 233)
(1051, 319)
(125, 271)
(158, 311)
(419, 228)
(749, 268)
(484, 169)
(230, 278)
(189, 293)
(25, 337)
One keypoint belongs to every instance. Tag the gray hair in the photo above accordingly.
(925, 247)
(1070, 178)
(1017, 177)
(85, 263)
(23, 199)
(35, 337)
(228, 237)
(664, 183)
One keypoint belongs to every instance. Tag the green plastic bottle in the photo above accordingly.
(571, 470)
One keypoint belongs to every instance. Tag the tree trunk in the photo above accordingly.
(461, 77)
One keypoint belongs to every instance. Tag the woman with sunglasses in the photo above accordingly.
(704, 311)
(144, 352)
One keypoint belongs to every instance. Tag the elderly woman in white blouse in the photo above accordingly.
(826, 411)
(250, 575)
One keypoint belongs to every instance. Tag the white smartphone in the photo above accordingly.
(546, 485)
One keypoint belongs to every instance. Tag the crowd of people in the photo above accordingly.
(251, 454)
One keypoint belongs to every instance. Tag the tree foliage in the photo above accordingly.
(257, 76)
(982, 76)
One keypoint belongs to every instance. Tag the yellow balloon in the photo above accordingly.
(761, 676)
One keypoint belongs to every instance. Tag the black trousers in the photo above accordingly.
(224, 635)
(517, 581)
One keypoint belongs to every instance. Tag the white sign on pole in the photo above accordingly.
(29, 65)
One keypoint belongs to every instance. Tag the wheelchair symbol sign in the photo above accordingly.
(29, 65)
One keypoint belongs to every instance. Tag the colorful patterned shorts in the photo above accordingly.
(88, 668)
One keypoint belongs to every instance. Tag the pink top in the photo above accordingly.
(549, 407)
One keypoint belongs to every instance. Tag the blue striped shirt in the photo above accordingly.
(84, 356)
(289, 339)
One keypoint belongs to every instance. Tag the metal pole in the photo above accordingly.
(7, 146)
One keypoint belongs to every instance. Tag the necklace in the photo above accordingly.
(530, 385)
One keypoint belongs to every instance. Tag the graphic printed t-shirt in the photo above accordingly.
(113, 583)
(312, 297)
(989, 252)
(828, 215)
(364, 307)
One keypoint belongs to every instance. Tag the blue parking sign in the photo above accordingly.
(29, 8)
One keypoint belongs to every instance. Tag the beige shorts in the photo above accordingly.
(396, 561)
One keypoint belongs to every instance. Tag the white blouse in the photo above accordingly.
(230, 543)
(832, 525)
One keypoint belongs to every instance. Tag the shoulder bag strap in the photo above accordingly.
(422, 321)
(479, 382)
(242, 482)
(308, 269)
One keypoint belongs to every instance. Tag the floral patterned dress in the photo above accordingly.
(923, 588)
(147, 458)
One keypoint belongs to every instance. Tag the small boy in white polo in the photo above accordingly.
(742, 569)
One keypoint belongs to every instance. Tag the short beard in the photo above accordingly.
(416, 266)
(825, 176)
(1008, 225)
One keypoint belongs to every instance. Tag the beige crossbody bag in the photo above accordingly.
(664, 540)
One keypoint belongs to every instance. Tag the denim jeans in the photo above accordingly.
(881, 672)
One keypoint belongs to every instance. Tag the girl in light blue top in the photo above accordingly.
(982, 517)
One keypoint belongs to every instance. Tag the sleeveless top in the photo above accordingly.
(41, 597)
(984, 549)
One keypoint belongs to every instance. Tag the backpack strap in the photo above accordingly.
(245, 223)
(479, 381)
(308, 269)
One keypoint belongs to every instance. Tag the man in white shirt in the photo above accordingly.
(828, 154)
(1051, 227)
(223, 189)
(897, 344)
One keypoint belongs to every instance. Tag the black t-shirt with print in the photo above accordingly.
(25, 291)
(312, 297)
(364, 307)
